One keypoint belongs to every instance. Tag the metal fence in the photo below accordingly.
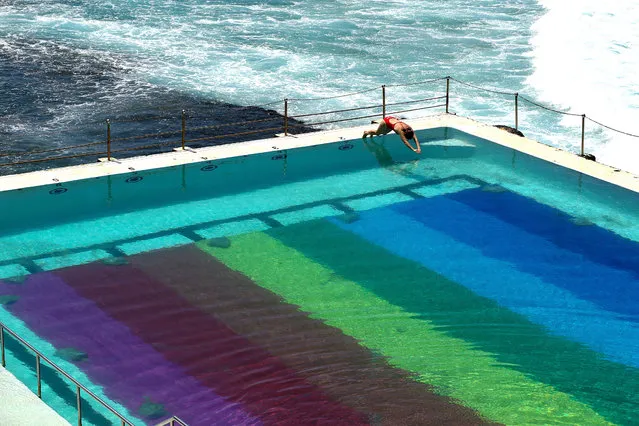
(184, 134)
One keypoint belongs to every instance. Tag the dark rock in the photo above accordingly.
(152, 410)
(349, 217)
(581, 221)
(8, 299)
(19, 279)
(589, 157)
(493, 188)
(120, 260)
(71, 354)
(220, 242)
(510, 130)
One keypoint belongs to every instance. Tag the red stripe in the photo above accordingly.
(206, 348)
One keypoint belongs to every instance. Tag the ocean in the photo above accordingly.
(67, 66)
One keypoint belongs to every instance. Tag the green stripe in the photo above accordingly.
(610, 388)
(451, 365)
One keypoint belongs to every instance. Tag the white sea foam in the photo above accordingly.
(585, 59)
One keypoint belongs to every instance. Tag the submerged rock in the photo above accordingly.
(220, 242)
(510, 130)
(8, 299)
(493, 188)
(349, 217)
(152, 410)
(71, 354)
(581, 221)
(19, 279)
(120, 260)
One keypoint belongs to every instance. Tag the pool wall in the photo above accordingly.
(274, 160)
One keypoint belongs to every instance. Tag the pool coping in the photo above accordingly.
(279, 143)
(22, 407)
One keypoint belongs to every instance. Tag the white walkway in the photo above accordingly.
(19, 406)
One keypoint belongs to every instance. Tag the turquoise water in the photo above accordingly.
(472, 272)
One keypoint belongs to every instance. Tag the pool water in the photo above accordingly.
(344, 284)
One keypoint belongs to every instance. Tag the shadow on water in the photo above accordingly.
(380, 152)
(58, 96)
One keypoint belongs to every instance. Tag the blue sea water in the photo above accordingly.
(66, 66)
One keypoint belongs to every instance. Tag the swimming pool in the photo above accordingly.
(348, 283)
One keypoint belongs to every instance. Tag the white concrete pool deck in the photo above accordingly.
(187, 156)
(19, 406)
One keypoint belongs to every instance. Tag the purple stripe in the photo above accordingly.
(128, 368)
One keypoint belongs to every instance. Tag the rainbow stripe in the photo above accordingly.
(369, 320)
(453, 366)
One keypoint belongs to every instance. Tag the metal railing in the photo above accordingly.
(173, 421)
(79, 387)
(285, 122)
(517, 96)
(184, 135)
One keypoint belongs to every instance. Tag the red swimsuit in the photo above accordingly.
(386, 120)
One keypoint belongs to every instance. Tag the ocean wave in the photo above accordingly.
(83, 61)
(584, 63)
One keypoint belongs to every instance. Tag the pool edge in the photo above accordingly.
(179, 157)
(21, 406)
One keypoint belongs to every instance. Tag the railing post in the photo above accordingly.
(183, 128)
(583, 131)
(286, 117)
(447, 93)
(108, 123)
(38, 377)
(4, 363)
(383, 100)
(516, 111)
(79, 400)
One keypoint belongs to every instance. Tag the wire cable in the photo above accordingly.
(7, 154)
(418, 82)
(548, 108)
(613, 129)
(336, 96)
(335, 111)
(483, 88)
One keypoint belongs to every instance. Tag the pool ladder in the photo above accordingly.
(39, 357)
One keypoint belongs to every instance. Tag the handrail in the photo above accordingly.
(434, 98)
(334, 121)
(364, 116)
(335, 111)
(250, 132)
(173, 421)
(336, 96)
(79, 386)
(237, 123)
(43, 151)
(42, 160)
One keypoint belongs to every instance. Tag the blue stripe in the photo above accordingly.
(542, 303)
(531, 249)
(597, 244)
